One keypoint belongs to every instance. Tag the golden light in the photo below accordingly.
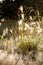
(11, 31)
(26, 25)
(20, 28)
(20, 22)
(22, 15)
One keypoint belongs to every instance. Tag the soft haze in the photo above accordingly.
(0, 0)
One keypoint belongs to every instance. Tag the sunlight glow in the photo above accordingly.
(33, 23)
(13, 0)
(20, 22)
(11, 31)
(21, 9)
(26, 25)
(22, 15)
(19, 37)
(0, 0)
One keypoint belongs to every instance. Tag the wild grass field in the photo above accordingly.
(21, 42)
(21, 32)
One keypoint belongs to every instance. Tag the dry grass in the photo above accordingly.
(22, 45)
